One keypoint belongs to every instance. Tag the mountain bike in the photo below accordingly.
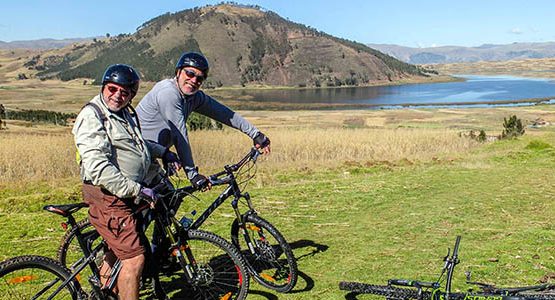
(209, 266)
(403, 289)
(268, 256)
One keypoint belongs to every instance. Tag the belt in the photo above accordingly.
(103, 190)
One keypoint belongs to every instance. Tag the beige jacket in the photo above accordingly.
(113, 153)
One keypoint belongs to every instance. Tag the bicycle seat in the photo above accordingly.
(65, 209)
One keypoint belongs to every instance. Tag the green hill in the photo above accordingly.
(246, 45)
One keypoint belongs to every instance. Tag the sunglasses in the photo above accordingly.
(190, 74)
(122, 91)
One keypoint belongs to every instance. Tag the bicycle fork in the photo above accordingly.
(242, 223)
(182, 251)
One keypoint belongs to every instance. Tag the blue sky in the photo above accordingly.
(413, 23)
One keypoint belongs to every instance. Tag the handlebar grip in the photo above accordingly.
(401, 282)
(456, 248)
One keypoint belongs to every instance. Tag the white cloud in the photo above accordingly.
(516, 30)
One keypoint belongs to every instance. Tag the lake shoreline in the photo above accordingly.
(350, 106)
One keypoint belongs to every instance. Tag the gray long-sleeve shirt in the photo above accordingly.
(163, 114)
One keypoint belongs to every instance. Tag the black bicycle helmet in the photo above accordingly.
(123, 75)
(193, 59)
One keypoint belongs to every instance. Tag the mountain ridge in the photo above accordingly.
(246, 45)
(460, 54)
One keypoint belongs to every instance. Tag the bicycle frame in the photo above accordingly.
(232, 190)
(163, 219)
(87, 260)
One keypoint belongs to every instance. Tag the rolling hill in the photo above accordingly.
(41, 44)
(457, 54)
(246, 45)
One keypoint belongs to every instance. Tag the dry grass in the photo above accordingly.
(301, 140)
(316, 148)
(41, 155)
(35, 154)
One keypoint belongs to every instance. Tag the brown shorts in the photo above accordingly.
(113, 218)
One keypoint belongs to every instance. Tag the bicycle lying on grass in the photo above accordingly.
(269, 257)
(209, 266)
(421, 290)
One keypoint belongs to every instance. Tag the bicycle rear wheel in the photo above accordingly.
(389, 292)
(35, 277)
(69, 251)
(220, 271)
(271, 261)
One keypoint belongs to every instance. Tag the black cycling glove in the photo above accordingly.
(199, 181)
(261, 141)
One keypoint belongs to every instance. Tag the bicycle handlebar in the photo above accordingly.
(228, 169)
(214, 178)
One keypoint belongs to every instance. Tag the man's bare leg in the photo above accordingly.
(106, 269)
(129, 277)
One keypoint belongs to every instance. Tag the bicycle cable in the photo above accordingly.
(249, 174)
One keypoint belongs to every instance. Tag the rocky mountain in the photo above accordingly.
(456, 54)
(41, 44)
(245, 45)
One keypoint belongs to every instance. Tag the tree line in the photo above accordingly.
(195, 121)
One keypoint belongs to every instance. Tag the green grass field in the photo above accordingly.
(372, 223)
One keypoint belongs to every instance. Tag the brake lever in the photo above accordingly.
(256, 154)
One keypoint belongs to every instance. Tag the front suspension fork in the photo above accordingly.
(241, 220)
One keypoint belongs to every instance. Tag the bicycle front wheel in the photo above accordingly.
(219, 271)
(388, 292)
(544, 295)
(35, 277)
(269, 258)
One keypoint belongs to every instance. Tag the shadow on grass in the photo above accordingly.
(264, 294)
(318, 248)
(308, 281)
(351, 296)
(309, 285)
(177, 287)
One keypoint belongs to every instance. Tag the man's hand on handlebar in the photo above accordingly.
(262, 142)
(148, 195)
(171, 162)
(199, 181)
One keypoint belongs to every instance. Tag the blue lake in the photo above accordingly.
(473, 91)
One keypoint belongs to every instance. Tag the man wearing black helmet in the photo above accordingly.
(114, 161)
(164, 110)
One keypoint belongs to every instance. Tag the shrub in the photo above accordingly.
(538, 145)
(41, 116)
(512, 128)
(482, 136)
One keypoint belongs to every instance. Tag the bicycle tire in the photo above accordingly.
(225, 272)
(273, 265)
(389, 292)
(31, 276)
(69, 250)
(536, 295)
